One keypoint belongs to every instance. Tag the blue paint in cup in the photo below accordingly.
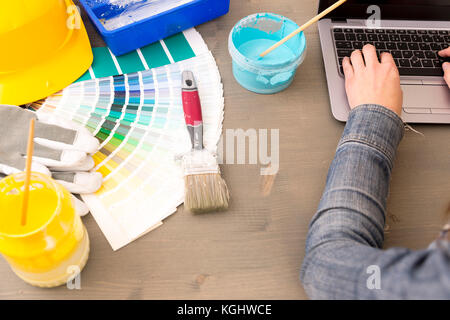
(253, 35)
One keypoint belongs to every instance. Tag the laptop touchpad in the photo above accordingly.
(423, 96)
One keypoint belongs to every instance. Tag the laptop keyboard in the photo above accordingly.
(414, 51)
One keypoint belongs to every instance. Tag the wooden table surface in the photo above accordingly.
(254, 251)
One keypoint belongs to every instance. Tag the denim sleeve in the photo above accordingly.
(344, 257)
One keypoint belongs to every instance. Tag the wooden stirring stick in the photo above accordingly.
(26, 194)
(303, 27)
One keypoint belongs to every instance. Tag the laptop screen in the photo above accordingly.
(391, 9)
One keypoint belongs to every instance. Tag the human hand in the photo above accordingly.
(61, 151)
(369, 81)
(446, 65)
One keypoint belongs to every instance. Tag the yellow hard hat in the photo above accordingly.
(44, 48)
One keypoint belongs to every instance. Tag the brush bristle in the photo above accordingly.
(206, 192)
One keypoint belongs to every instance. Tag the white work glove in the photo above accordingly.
(62, 150)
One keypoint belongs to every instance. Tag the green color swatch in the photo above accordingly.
(153, 54)
(179, 47)
(103, 63)
(130, 62)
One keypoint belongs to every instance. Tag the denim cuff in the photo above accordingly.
(375, 126)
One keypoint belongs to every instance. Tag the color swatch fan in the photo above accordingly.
(139, 119)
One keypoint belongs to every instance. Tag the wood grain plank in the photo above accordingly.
(254, 251)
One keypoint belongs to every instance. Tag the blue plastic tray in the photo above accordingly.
(157, 27)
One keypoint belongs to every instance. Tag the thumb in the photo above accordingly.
(446, 66)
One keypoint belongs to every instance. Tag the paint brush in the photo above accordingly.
(303, 27)
(26, 192)
(205, 190)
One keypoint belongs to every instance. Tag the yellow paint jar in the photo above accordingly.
(53, 242)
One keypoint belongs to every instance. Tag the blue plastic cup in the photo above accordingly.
(253, 35)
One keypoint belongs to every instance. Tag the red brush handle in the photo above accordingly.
(193, 117)
(192, 108)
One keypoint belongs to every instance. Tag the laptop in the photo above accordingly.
(412, 31)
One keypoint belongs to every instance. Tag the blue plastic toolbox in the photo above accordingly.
(154, 28)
